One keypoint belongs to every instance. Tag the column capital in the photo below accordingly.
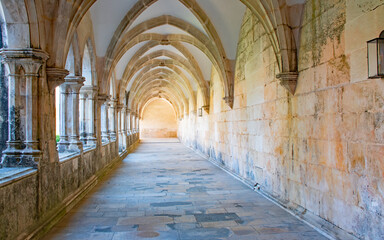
(90, 91)
(30, 59)
(288, 80)
(206, 108)
(88, 88)
(14, 54)
(55, 77)
(229, 101)
(102, 98)
(83, 95)
(74, 83)
(120, 107)
(113, 102)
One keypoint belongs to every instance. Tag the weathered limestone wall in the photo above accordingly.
(158, 121)
(321, 149)
(33, 200)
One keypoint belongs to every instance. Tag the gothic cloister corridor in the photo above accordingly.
(163, 190)
(286, 96)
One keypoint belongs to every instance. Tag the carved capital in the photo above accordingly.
(102, 98)
(229, 101)
(288, 80)
(55, 77)
(113, 102)
(29, 58)
(206, 108)
(12, 54)
(120, 107)
(90, 91)
(74, 83)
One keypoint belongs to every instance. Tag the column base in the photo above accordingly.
(18, 158)
(30, 159)
(11, 158)
(91, 141)
(105, 138)
(84, 139)
(62, 146)
(112, 136)
(75, 146)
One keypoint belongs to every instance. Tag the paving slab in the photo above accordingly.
(165, 191)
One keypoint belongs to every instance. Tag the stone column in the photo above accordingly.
(128, 126)
(101, 99)
(91, 111)
(83, 116)
(119, 138)
(87, 110)
(133, 122)
(120, 127)
(104, 121)
(123, 133)
(63, 144)
(22, 147)
(70, 113)
(133, 114)
(112, 119)
(137, 126)
(136, 120)
(55, 78)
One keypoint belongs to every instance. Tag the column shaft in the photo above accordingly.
(22, 66)
(69, 115)
(83, 117)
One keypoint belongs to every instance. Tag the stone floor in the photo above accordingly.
(166, 191)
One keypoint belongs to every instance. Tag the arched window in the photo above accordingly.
(66, 103)
(3, 98)
(87, 100)
(112, 110)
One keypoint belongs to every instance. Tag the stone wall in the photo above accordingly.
(321, 148)
(32, 202)
(158, 121)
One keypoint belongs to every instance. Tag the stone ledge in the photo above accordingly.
(89, 149)
(11, 175)
(65, 157)
(123, 153)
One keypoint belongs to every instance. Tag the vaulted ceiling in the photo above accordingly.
(153, 48)
(166, 49)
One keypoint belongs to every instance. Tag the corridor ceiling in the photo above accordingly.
(166, 48)
(144, 49)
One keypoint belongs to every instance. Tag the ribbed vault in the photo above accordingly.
(168, 48)
(139, 42)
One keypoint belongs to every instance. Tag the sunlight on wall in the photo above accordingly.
(158, 121)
